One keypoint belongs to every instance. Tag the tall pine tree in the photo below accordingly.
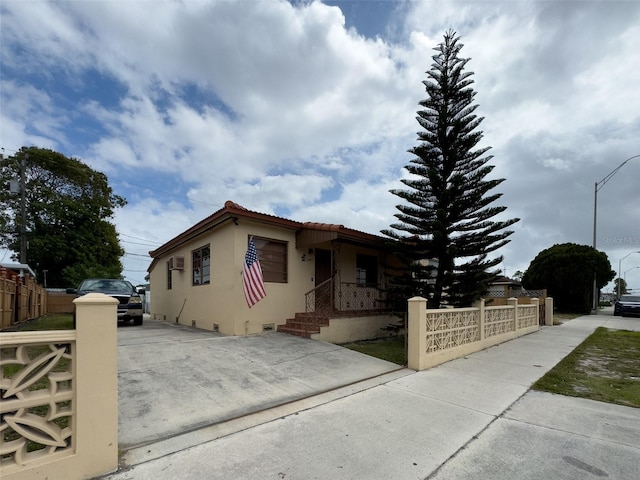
(445, 230)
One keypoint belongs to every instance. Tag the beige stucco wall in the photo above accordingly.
(222, 301)
(347, 261)
(353, 329)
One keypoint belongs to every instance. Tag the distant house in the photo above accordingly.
(322, 280)
(21, 269)
(504, 284)
(504, 288)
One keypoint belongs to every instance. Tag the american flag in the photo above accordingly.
(252, 282)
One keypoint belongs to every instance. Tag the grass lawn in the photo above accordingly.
(58, 321)
(605, 367)
(390, 349)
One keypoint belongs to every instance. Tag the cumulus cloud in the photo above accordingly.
(281, 107)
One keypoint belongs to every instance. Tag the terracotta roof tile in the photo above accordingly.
(327, 227)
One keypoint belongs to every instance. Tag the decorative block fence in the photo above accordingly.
(59, 397)
(437, 336)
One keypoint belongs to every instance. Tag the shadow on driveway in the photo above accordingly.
(173, 379)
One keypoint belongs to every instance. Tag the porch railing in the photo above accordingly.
(331, 297)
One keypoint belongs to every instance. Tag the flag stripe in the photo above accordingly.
(252, 280)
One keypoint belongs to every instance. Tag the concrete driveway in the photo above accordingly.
(174, 379)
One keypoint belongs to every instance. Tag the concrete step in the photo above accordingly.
(299, 332)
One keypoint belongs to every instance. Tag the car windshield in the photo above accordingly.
(630, 298)
(112, 286)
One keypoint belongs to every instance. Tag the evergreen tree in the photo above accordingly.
(621, 285)
(566, 270)
(68, 207)
(445, 230)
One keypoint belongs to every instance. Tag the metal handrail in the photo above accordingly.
(348, 296)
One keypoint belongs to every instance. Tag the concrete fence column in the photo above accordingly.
(536, 303)
(96, 377)
(513, 302)
(417, 334)
(548, 311)
(481, 321)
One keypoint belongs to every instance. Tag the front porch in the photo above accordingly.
(341, 312)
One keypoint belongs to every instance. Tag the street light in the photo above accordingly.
(598, 186)
(625, 272)
(620, 270)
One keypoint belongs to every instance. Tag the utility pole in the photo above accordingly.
(598, 186)
(23, 211)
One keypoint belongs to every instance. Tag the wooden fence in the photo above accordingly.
(21, 299)
(59, 301)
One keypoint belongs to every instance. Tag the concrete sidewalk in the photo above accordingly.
(470, 418)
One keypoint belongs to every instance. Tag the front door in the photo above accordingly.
(323, 273)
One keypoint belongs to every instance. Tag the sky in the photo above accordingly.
(306, 110)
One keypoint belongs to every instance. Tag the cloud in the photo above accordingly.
(279, 107)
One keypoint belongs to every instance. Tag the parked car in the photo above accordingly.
(627, 305)
(130, 301)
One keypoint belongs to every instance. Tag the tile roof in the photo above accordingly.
(233, 211)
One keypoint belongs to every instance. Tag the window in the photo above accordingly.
(169, 285)
(366, 270)
(201, 264)
(273, 259)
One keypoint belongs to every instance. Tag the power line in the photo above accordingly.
(138, 243)
(139, 238)
(136, 255)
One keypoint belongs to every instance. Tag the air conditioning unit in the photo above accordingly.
(176, 263)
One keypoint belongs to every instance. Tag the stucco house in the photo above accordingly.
(504, 285)
(322, 281)
(504, 288)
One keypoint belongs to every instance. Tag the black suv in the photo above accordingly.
(627, 305)
(130, 301)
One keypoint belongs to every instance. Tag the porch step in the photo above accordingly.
(303, 325)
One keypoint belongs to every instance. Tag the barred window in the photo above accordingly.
(201, 265)
(169, 279)
(273, 259)
(366, 270)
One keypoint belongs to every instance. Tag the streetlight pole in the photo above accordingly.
(598, 186)
(620, 269)
(625, 272)
(23, 212)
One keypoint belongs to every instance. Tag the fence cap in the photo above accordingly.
(417, 299)
(96, 299)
